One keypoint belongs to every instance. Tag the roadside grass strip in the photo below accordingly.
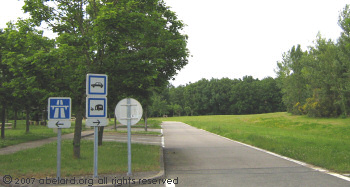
(133, 132)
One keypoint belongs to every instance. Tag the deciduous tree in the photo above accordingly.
(137, 43)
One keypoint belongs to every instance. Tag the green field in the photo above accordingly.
(112, 159)
(323, 142)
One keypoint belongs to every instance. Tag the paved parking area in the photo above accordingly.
(135, 138)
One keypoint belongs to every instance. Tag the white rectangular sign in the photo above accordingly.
(96, 107)
(59, 124)
(96, 122)
(96, 85)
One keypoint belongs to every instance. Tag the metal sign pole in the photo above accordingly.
(129, 116)
(95, 151)
(59, 133)
(96, 107)
(129, 135)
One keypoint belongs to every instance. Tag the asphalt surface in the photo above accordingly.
(195, 157)
(123, 137)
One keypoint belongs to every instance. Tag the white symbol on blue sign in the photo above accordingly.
(59, 108)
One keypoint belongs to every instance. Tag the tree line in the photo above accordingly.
(315, 82)
(219, 97)
(137, 43)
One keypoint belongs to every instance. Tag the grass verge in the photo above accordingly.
(321, 142)
(36, 132)
(152, 124)
(41, 162)
(125, 131)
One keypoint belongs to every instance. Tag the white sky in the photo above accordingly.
(231, 38)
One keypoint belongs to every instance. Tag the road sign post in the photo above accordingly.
(95, 151)
(59, 115)
(129, 135)
(59, 135)
(128, 112)
(96, 107)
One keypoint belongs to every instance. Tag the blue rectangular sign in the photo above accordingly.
(59, 108)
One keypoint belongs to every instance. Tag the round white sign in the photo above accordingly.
(121, 111)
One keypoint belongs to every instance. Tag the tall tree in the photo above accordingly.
(25, 49)
(344, 60)
(292, 82)
(73, 24)
(137, 43)
(141, 45)
(5, 77)
(322, 74)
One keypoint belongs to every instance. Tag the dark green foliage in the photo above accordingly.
(316, 81)
(26, 67)
(220, 97)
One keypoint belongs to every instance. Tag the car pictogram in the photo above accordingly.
(97, 84)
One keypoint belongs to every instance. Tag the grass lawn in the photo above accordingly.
(112, 159)
(324, 142)
(36, 132)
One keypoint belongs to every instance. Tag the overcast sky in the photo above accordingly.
(231, 38)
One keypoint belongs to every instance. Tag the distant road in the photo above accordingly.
(198, 158)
